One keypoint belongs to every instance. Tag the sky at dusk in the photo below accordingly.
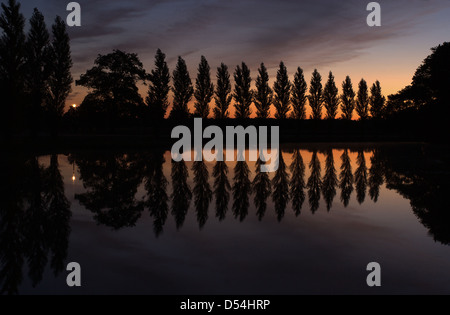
(323, 34)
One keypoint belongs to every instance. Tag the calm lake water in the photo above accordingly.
(138, 223)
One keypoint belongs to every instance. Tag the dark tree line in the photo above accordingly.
(289, 99)
(35, 78)
(427, 96)
(35, 81)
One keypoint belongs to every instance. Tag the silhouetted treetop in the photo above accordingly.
(347, 99)
(243, 94)
(37, 64)
(299, 98)
(204, 89)
(316, 97)
(223, 96)
(377, 101)
(12, 60)
(158, 91)
(330, 97)
(362, 101)
(113, 72)
(282, 90)
(182, 90)
(113, 81)
(60, 80)
(429, 89)
(263, 94)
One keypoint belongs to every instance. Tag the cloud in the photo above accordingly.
(255, 30)
(307, 33)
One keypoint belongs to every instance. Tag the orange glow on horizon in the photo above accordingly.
(390, 84)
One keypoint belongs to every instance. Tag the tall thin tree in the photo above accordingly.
(264, 94)
(182, 90)
(330, 97)
(362, 101)
(158, 91)
(12, 59)
(316, 97)
(347, 99)
(223, 96)
(299, 97)
(60, 79)
(377, 101)
(243, 95)
(37, 65)
(282, 89)
(204, 89)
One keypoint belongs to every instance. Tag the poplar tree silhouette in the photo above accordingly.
(377, 101)
(182, 90)
(37, 66)
(12, 60)
(60, 79)
(243, 95)
(158, 91)
(347, 99)
(330, 97)
(316, 97)
(264, 94)
(223, 96)
(282, 89)
(204, 90)
(362, 101)
(299, 97)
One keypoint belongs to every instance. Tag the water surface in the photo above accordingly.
(139, 223)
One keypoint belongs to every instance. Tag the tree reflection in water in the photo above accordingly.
(297, 184)
(35, 212)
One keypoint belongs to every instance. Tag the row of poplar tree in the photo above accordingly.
(288, 98)
(35, 76)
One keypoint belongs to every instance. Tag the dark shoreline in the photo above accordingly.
(157, 135)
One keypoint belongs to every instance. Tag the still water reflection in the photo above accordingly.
(226, 227)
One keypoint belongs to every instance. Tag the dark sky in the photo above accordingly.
(323, 34)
